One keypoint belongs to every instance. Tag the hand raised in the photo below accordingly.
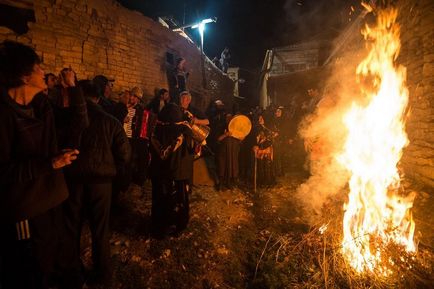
(67, 78)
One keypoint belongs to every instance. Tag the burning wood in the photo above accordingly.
(375, 213)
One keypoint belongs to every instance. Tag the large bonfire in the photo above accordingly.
(376, 214)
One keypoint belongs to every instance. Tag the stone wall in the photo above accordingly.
(102, 37)
(417, 54)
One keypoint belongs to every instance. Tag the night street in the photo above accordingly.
(207, 144)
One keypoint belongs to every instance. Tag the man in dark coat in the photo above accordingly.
(191, 113)
(105, 152)
(32, 186)
(69, 108)
(172, 154)
(159, 101)
(120, 111)
(117, 109)
(217, 119)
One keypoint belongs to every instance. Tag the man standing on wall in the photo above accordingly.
(180, 75)
(224, 59)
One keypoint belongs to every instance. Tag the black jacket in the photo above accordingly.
(172, 150)
(116, 109)
(29, 186)
(70, 121)
(104, 149)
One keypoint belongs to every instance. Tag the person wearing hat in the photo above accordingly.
(137, 126)
(134, 98)
(117, 109)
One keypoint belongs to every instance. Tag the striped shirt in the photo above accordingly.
(128, 125)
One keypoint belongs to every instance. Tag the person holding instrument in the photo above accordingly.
(32, 186)
(227, 158)
(192, 116)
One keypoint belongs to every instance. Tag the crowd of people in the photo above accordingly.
(68, 151)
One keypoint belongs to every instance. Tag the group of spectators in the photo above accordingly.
(68, 150)
(63, 148)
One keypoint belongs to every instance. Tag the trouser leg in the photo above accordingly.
(71, 265)
(30, 263)
(161, 203)
(182, 207)
(98, 199)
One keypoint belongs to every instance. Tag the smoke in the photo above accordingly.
(324, 135)
(308, 18)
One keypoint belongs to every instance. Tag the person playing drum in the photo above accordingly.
(191, 114)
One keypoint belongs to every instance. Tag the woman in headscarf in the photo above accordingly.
(263, 150)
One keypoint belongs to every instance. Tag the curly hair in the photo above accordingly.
(16, 60)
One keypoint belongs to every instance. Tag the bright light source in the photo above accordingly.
(204, 21)
(208, 21)
(201, 28)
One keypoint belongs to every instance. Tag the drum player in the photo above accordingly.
(191, 114)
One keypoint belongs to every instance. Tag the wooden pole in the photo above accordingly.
(255, 173)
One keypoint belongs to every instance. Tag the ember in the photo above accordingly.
(376, 214)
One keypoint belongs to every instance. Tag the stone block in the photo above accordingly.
(48, 57)
(428, 69)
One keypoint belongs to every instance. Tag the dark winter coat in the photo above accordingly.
(172, 152)
(29, 186)
(104, 149)
(117, 109)
(70, 121)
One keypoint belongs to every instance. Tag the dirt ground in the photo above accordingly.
(221, 246)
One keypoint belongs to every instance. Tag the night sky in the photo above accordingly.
(249, 27)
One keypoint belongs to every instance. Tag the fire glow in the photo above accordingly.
(376, 214)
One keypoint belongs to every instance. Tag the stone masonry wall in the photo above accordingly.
(417, 54)
(102, 37)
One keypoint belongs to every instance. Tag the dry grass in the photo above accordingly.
(314, 260)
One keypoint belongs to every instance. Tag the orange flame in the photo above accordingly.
(375, 213)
